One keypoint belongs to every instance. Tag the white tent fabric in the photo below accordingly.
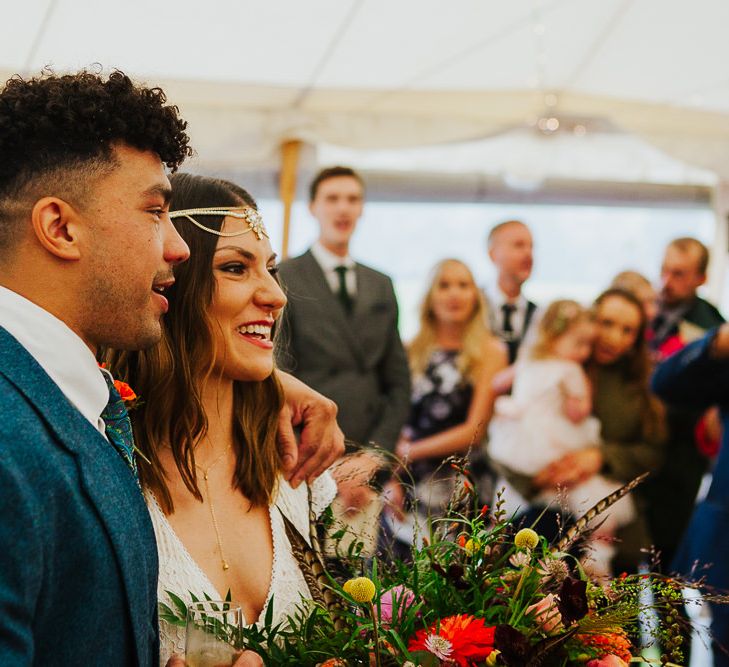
(380, 74)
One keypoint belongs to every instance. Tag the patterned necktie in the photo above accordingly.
(118, 426)
(343, 294)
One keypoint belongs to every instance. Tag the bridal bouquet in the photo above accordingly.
(479, 591)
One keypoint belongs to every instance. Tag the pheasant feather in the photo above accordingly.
(313, 534)
(314, 573)
(581, 524)
(308, 562)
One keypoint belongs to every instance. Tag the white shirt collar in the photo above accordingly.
(59, 351)
(328, 260)
(498, 299)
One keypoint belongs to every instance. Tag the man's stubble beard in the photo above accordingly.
(118, 318)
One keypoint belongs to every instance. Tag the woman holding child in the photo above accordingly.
(618, 366)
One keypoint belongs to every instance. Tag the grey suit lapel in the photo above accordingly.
(318, 287)
(106, 479)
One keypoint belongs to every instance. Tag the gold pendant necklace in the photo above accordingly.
(205, 472)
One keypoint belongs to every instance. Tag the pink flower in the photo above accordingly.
(546, 613)
(610, 660)
(399, 596)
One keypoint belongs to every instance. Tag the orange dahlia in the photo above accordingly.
(460, 640)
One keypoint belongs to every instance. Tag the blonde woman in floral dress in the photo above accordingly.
(453, 360)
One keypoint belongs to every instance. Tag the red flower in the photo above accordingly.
(461, 640)
(125, 391)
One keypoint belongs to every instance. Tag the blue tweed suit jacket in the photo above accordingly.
(78, 561)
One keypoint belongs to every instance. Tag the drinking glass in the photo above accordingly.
(213, 633)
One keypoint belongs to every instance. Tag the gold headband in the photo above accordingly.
(251, 216)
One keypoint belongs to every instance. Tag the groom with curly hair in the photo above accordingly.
(87, 251)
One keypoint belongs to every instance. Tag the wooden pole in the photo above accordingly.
(720, 246)
(290, 152)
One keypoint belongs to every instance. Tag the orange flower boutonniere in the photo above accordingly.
(125, 391)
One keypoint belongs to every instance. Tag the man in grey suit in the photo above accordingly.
(340, 334)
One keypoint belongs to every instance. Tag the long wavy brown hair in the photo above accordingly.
(168, 377)
(637, 366)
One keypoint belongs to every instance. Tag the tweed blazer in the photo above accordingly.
(78, 560)
(357, 360)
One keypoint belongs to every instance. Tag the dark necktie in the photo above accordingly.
(508, 309)
(342, 294)
(118, 426)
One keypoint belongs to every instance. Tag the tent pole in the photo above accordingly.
(290, 152)
(720, 246)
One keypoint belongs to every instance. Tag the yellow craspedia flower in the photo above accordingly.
(471, 547)
(526, 538)
(360, 589)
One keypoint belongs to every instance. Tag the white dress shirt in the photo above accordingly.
(497, 299)
(59, 351)
(329, 262)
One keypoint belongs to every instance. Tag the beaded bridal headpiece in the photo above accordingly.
(251, 216)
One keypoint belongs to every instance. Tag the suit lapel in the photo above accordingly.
(317, 287)
(105, 477)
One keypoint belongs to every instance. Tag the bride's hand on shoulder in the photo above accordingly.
(321, 440)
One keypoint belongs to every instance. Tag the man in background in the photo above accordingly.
(693, 435)
(340, 336)
(682, 312)
(510, 312)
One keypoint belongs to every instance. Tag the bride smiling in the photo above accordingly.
(208, 417)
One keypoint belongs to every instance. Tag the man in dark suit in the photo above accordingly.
(86, 252)
(510, 312)
(682, 312)
(341, 331)
(697, 377)
(683, 316)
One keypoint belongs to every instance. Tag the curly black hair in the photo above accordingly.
(52, 124)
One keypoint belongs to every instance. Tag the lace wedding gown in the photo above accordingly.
(179, 573)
